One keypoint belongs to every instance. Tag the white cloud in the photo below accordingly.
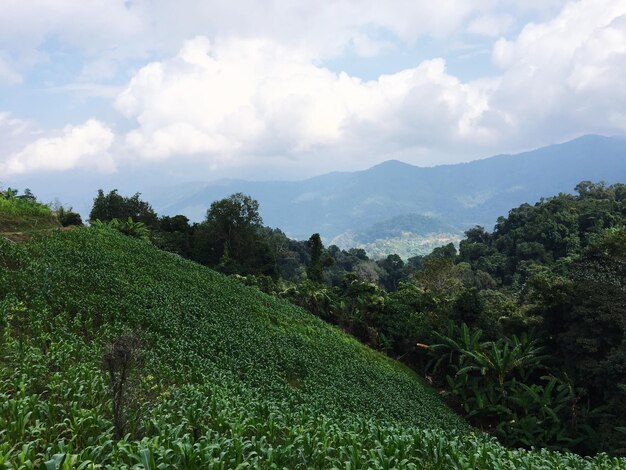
(255, 97)
(492, 25)
(233, 99)
(14, 133)
(564, 77)
(86, 89)
(251, 86)
(98, 33)
(84, 145)
(108, 32)
(323, 29)
(11, 127)
(90, 24)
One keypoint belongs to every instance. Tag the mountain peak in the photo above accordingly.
(391, 164)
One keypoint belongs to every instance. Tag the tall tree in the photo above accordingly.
(318, 259)
(230, 237)
(234, 222)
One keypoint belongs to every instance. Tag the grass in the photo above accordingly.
(20, 215)
(231, 378)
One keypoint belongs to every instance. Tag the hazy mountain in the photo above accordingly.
(405, 235)
(396, 226)
(452, 197)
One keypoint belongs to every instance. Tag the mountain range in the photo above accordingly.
(398, 200)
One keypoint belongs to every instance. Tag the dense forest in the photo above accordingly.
(521, 329)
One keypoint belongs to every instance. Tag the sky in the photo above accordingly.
(156, 92)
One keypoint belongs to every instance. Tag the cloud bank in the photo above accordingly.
(85, 145)
(244, 97)
(255, 93)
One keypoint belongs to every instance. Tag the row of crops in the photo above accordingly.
(205, 427)
(228, 377)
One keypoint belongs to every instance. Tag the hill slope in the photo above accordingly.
(199, 321)
(460, 195)
(229, 377)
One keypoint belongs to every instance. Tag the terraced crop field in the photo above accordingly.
(228, 377)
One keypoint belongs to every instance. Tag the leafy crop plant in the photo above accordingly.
(229, 377)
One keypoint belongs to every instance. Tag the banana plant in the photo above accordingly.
(494, 382)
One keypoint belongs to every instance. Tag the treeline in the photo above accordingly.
(232, 239)
(523, 329)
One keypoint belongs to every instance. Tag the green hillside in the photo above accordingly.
(226, 377)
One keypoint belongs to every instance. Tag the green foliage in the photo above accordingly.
(394, 271)
(359, 305)
(314, 269)
(231, 379)
(23, 212)
(553, 270)
(561, 265)
(234, 378)
(22, 208)
(11, 203)
(411, 316)
(318, 261)
(174, 234)
(128, 227)
(201, 331)
(231, 238)
(115, 206)
(67, 217)
(443, 252)
(553, 231)
(491, 381)
(312, 296)
(441, 276)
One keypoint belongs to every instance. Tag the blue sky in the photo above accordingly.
(102, 92)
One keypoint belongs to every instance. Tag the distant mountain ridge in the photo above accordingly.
(458, 196)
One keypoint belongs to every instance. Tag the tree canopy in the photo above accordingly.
(107, 207)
